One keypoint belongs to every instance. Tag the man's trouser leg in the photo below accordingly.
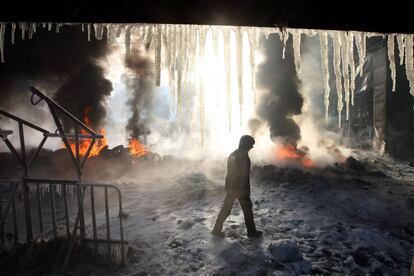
(246, 205)
(225, 212)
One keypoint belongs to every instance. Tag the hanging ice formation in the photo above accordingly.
(296, 36)
(391, 58)
(176, 49)
(2, 32)
(239, 52)
(228, 75)
(338, 75)
(323, 38)
(253, 45)
(351, 60)
(409, 64)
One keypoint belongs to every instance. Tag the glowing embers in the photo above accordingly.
(291, 154)
(136, 149)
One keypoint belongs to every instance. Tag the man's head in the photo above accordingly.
(246, 142)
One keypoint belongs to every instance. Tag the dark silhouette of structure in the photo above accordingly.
(238, 187)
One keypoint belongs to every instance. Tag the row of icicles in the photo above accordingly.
(176, 48)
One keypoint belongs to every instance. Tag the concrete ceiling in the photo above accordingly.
(376, 16)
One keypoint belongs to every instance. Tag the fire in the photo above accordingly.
(136, 148)
(84, 143)
(292, 153)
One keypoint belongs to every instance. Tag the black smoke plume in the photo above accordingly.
(63, 65)
(140, 83)
(278, 80)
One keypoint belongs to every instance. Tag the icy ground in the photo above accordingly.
(330, 221)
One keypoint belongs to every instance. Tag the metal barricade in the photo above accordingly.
(63, 207)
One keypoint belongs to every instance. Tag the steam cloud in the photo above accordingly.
(278, 80)
(140, 83)
(64, 65)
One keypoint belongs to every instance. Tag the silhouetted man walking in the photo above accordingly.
(238, 187)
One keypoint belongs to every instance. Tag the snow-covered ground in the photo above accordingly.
(326, 221)
(349, 219)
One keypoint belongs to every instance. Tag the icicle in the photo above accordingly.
(44, 25)
(391, 58)
(83, 27)
(361, 46)
(110, 37)
(179, 70)
(285, 37)
(157, 58)
(2, 32)
(89, 32)
(58, 27)
(296, 35)
(228, 72)
(253, 46)
(23, 28)
(32, 30)
(148, 36)
(203, 34)
(13, 30)
(351, 37)
(168, 47)
(98, 31)
(49, 26)
(337, 70)
(173, 49)
(239, 52)
(187, 56)
(128, 40)
(345, 69)
(193, 51)
(323, 39)
(401, 47)
(118, 29)
(409, 66)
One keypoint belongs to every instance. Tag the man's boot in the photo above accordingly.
(254, 234)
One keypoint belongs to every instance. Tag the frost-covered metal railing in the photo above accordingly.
(28, 192)
(68, 209)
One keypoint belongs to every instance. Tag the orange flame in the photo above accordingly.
(84, 143)
(291, 152)
(136, 149)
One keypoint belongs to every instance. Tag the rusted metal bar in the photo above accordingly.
(20, 120)
(52, 203)
(48, 180)
(121, 226)
(14, 151)
(94, 220)
(77, 145)
(81, 213)
(39, 207)
(73, 236)
(15, 224)
(87, 153)
(64, 139)
(26, 192)
(72, 135)
(65, 201)
(39, 148)
(13, 188)
(51, 102)
(108, 224)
